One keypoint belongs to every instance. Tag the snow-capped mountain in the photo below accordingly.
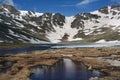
(29, 26)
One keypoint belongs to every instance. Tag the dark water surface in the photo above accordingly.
(64, 70)
(56, 46)
(24, 49)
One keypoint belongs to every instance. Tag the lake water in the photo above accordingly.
(56, 46)
(64, 70)
(24, 49)
(85, 45)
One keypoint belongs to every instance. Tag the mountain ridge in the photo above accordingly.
(33, 27)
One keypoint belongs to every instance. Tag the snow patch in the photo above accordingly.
(33, 23)
(6, 10)
(24, 13)
(76, 39)
(101, 41)
(67, 55)
(36, 41)
(60, 32)
(104, 41)
(1, 41)
(18, 24)
(114, 62)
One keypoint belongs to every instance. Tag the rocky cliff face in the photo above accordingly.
(28, 26)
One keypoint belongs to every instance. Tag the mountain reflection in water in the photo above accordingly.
(64, 70)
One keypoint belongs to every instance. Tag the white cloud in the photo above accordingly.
(85, 2)
(9, 2)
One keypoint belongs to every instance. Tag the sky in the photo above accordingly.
(65, 7)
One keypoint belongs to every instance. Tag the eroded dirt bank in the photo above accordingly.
(107, 60)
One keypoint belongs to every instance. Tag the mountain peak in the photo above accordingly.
(30, 26)
(108, 9)
(9, 9)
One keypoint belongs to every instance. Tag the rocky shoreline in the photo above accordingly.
(105, 60)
